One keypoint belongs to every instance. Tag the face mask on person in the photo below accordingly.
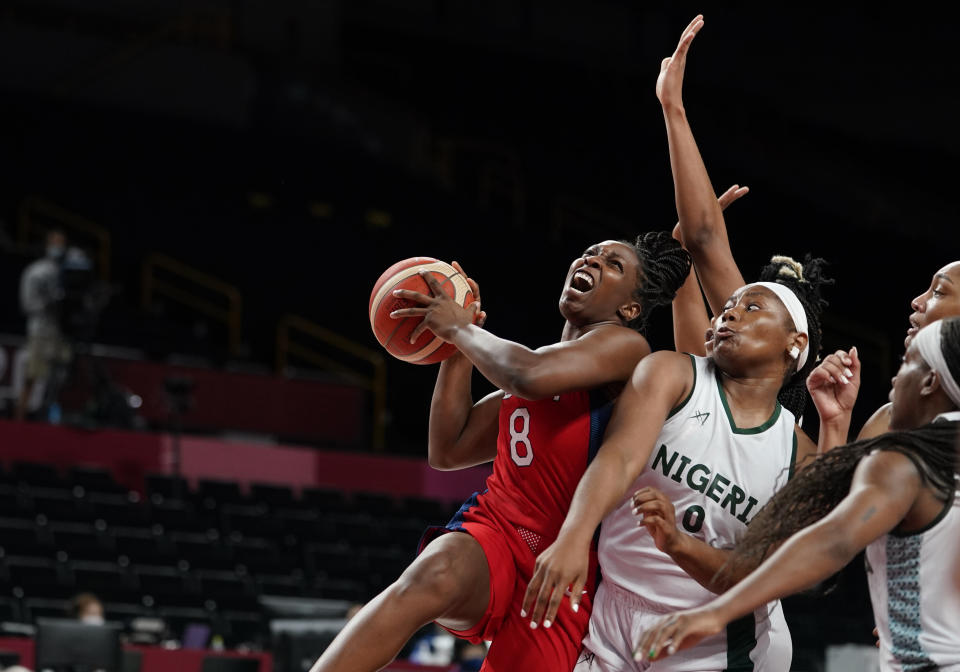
(92, 619)
(55, 252)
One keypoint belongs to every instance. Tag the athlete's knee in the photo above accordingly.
(433, 579)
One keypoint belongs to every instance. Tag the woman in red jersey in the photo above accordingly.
(541, 429)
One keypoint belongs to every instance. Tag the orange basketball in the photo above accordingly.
(394, 335)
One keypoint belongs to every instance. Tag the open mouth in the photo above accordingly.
(582, 281)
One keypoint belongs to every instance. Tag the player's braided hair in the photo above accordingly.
(806, 281)
(823, 482)
(664, 267)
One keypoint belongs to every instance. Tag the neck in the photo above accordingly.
(574, 331)
(751, 398)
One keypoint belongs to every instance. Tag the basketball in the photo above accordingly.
(394, 335)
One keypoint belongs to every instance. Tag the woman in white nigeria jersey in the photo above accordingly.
(895, 495)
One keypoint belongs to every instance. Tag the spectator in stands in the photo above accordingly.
(41, 291)
(86, 607)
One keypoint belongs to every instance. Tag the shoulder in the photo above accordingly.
(888, 468)
(879, 423)
(615, 336)
(666, 366)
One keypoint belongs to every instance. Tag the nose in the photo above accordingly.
(919, 304)
(591, 260)
(893, 381)
(729, 315)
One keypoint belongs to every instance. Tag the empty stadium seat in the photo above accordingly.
(36, 475)
(94, 479)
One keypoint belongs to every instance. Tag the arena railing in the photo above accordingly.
(158, 266)
(36, 215)
(375, 382)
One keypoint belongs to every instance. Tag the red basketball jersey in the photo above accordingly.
(543, 448)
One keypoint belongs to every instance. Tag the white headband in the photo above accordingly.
(928, 343)
(797, 313)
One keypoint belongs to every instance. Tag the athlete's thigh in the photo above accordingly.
(453, 570)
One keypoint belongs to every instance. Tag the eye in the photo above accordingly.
(937, 293)
(616, 264)
(752, 306)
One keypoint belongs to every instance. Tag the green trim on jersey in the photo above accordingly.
(693, 362)
(741, 640)
(793, 455)
(747, 430)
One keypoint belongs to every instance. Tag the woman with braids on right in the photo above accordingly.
(895, 495)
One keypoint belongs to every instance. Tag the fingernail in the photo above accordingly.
(575, 607)
(652, 653)
(671, 649)
(533, 625)
(843, 379)
(523, 613)
(853, 350)
(848, 373)
(547, 624)
(636, 510)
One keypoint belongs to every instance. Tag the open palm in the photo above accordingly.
(670, 81)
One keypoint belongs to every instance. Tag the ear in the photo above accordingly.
(930, 383)
(798, 341)
(629, 311)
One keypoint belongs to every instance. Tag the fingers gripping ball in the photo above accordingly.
(394, 334)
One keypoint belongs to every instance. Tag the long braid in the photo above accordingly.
(824, 482)
(806, 280)
(664, 267)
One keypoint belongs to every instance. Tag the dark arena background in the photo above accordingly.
(227, 459)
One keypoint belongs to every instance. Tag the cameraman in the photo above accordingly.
(41, 294)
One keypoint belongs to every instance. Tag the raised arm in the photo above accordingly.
(834, 385)
(462, 434)
(700, 215)
(884, 488)
(691, 318)
(607, 354)
(658, 384)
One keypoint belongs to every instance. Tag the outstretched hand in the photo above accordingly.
(835, 384)
(441, 313)
(670, 81)
(677, 631)
(560, 570)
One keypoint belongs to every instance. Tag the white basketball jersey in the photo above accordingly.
(717, 475)
(916, 603)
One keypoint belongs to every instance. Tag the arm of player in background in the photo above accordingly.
(833, 386)
(659, 383)
(884, 488)
(700, 215)
(691, 318)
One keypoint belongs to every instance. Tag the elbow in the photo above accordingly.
(526, 386)
(527, 381)
(439, 459)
